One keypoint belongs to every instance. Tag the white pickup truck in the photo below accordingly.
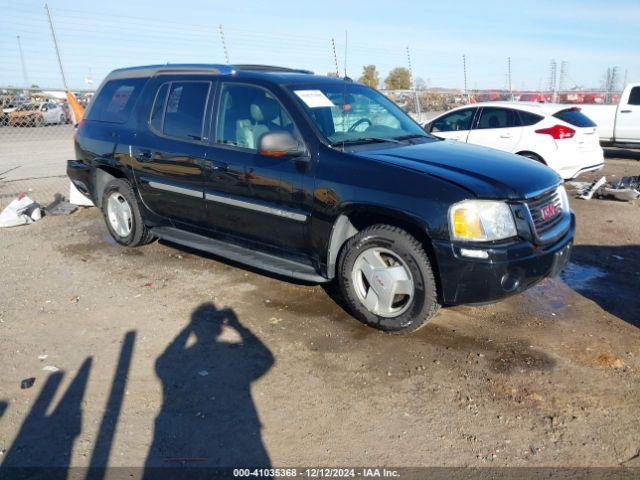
(618, 124)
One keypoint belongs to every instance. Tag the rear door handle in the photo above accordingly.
(625, 111)
(505, 135)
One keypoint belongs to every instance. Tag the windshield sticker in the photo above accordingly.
(314, 98)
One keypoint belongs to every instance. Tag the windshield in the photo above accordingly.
(353, 113)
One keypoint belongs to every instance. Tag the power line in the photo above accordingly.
(224, 45)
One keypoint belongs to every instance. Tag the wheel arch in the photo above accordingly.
(355, 218)
(103, 174)
(538, 158)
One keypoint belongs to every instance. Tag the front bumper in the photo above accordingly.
(508, 270)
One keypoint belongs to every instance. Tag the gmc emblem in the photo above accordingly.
(548, 211)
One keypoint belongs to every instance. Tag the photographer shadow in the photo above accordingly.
(208, 418)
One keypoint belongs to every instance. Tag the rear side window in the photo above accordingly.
(178, 109)
(634, 96)
(498, 118)
(574, 117)
(158, 108)
(455, 121)
(528, 118)
(116, 99)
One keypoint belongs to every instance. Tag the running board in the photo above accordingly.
(240, 254)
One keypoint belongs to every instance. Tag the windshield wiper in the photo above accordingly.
(410, 136)
(359, 141)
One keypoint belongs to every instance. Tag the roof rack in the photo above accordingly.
(270, 68)
(219, 69)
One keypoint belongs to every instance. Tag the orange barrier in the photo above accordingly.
(77, 110)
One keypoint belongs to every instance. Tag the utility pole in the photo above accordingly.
(509, 78)
(346, 43)
(415, 92)
(24, 66)
(55, 44)
(224, 45)
(563, 75)
(335, 57)
(464, 71)
(553, 80)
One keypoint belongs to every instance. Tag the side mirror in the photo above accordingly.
(44, 108)
(281, 144)
(427, 127)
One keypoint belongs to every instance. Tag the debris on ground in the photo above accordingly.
(626, 189)
(51, 368)
(62, 208)
(77, 198)
(588, 191)
(27, 383)
(21, 211)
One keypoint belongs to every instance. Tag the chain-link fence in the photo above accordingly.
(35, 141)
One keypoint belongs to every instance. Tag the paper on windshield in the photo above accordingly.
(314, 98)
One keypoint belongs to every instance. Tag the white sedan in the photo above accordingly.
(559, 136)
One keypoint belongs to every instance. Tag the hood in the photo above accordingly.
(485, 172)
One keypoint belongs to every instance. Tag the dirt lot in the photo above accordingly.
(169, 357)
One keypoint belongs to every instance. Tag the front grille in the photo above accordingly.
(535, 204)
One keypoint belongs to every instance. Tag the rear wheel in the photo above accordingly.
(386, 279)
(122, 214)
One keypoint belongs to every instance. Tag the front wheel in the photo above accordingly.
(386, 279)
(122, 214)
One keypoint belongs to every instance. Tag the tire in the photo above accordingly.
(38, 122)
(137, 232)
(397, 248)
(62, 120)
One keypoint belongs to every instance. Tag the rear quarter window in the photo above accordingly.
(116, 100)
(574, 117)
(634, 96)
(527, 118)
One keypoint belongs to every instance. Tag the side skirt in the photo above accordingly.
(238, 253)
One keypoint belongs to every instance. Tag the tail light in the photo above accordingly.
(558, 132)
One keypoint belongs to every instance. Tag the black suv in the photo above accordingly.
(318, 179)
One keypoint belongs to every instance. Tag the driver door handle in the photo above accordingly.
(505, 135)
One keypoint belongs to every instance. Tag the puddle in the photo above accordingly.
(582, 278)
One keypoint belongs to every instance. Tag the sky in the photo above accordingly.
(96, 37)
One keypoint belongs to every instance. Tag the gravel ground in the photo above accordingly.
(167, 356)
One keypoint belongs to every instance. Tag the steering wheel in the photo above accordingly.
(353, 127)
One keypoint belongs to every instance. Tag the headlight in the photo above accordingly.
(481, 221)
(564, 198)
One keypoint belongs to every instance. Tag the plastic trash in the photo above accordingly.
(78, 198)
(593, 188)
(21, 211)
